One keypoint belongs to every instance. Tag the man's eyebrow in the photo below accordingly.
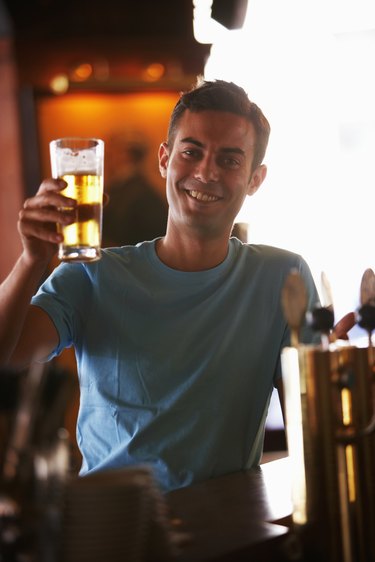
(226, 150)
(234, 149)
(192, 140)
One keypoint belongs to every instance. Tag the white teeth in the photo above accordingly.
(202, 196)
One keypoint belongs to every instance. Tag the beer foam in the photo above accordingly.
(73, 161)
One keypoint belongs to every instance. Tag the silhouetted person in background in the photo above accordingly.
(135, 212)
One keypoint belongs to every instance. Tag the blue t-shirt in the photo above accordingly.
(175, 368)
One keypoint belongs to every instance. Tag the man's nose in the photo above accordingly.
(206, 170)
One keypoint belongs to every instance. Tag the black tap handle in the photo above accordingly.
(321, 319)
(366, 317)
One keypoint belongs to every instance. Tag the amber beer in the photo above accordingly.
(80, 163)
(83, 236)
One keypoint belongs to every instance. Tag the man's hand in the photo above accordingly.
(38, 219)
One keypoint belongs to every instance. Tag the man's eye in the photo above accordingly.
(191, 153)
(229, 162)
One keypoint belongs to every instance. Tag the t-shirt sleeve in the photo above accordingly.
(65, 296)
(307, 335)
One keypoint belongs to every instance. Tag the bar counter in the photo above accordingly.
(240, 516)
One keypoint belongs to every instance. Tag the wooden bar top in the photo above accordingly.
(236, 517)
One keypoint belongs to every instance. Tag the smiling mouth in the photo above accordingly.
(200, 196)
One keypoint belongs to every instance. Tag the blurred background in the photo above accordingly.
(87, 68)
(114, 69)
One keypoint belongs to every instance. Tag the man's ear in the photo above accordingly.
(163, 159)
(257, 178)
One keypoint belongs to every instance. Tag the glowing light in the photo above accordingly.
(346, 404)
(81, 72)
(349, 455)
(154, 71)
(59, 84)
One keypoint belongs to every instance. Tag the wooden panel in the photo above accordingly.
(11, 185)
(142, 114)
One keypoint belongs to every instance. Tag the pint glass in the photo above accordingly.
(79, 161)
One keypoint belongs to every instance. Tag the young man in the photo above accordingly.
(178, 339)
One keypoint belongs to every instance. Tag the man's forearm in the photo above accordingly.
(15, 296)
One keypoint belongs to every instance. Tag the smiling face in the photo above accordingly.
(209, 171)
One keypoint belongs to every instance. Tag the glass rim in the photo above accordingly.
(67, 142)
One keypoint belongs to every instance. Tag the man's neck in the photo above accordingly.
(191, 254)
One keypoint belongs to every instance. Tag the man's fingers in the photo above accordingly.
(51, 184)
(41, 231)
(46, 215)
(48, 195)
(49, 199)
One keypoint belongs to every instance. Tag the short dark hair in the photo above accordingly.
(219, 95)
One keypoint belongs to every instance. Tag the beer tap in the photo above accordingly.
(321, 318)
(366, 313)
(294, 303)
(329, 397)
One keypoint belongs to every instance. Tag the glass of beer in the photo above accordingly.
(80, 162)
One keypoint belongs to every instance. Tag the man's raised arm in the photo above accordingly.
(26, 332)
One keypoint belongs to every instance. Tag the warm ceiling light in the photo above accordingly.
(59, 84)
(154, 71)
(81, 72)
